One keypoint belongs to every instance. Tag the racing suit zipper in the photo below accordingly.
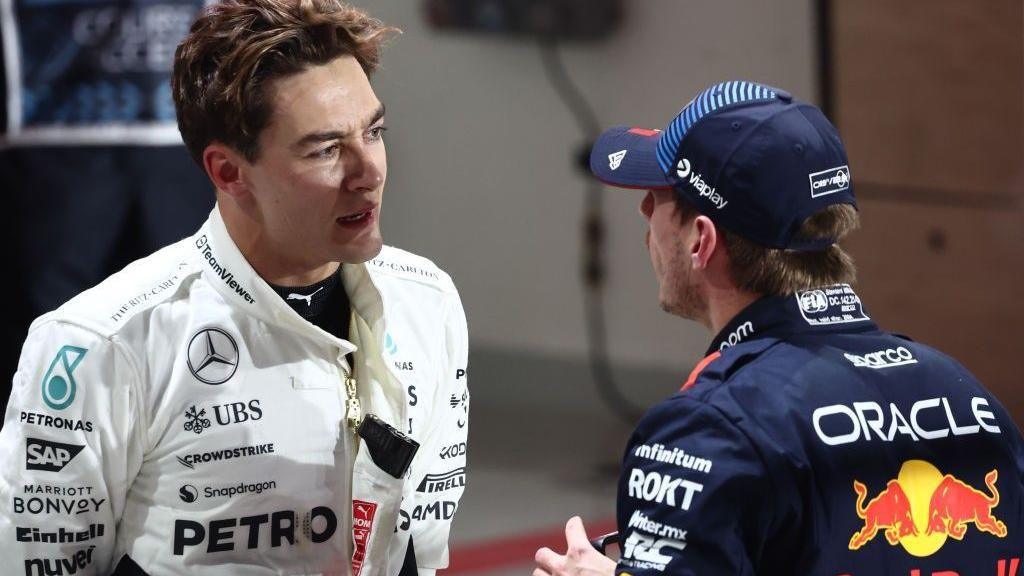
(353, 410)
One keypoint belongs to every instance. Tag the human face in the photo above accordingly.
(668, 241)
(319, 177)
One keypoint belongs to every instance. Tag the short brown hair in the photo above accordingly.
(235, 48)
(776, 272)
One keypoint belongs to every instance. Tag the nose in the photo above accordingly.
(363, 172)
(647, 205)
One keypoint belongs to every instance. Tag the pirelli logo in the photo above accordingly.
(433, 483)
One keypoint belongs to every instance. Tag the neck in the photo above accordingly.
(724, 305)
(271, 261)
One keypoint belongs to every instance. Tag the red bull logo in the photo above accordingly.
(922, 507)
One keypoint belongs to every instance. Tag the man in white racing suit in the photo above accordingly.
(187, 415)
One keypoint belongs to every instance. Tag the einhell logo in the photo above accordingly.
(921, 508)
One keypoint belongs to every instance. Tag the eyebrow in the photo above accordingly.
(328, 135)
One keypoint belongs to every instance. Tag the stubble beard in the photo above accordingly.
(681, 297)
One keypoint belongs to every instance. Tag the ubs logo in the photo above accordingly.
(212, 356)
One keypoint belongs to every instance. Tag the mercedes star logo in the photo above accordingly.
(212, 356)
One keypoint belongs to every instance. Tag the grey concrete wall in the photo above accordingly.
(481, 178)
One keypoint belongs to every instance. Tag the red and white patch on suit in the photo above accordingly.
(362, 525)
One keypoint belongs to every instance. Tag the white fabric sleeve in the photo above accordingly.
(71, 445)
(442, 483)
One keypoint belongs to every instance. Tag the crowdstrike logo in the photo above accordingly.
(829, 181)
(615, 159)
(191, 460)
(686, 173)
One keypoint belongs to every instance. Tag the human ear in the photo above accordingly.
(224, 167)
(705, 241)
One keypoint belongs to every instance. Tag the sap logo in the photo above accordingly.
(661, 488)
(453, 450)
(686, 173)
(645, 552)
(737, 335)
(49, 456)
(260, 531)
(883, 359)
(615, 159)
(840, 424)
(79, 561)
(829, 181)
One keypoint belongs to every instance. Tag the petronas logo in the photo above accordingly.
(59, 382)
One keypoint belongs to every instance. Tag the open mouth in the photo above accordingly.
(357, 219)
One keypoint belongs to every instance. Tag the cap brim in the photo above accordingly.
(626, 157)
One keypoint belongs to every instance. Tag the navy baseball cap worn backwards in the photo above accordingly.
(749, 156)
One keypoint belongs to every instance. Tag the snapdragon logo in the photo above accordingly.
(686, 173)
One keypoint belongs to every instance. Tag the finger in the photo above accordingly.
(539, 572)
(575, 533)
(548, 559)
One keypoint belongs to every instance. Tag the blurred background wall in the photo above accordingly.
(483, 178)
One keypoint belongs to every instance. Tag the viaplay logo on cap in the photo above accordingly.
(686, 173)
(830, 181)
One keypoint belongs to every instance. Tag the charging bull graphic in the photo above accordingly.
(922, 507)
(889, 510)
(955, 504)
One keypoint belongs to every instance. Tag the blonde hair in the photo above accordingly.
(777, 272)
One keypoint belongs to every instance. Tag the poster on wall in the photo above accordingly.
(80, 72)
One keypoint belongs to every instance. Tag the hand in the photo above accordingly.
(580, 558)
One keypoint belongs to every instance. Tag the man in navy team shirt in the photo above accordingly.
(808, 441)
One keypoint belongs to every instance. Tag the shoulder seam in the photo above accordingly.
(750, 442)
